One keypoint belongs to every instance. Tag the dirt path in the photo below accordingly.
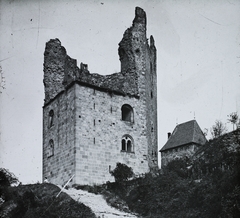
(97, 203)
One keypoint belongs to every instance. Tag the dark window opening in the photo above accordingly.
(151, 94)
(50, 148)
(123, 145)
(127, 143)
(50, 118)
(129, 146)
(127, 113)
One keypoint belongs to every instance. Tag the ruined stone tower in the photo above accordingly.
(91, 122)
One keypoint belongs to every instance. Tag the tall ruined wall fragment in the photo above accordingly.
(133, 44)
(59, 69)
(139, 58)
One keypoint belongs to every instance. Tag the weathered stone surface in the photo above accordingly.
(87, 125)
(183, 152)
(60, 71)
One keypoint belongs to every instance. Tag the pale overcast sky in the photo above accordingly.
(198, 66)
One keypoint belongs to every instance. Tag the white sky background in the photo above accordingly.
(198, 66)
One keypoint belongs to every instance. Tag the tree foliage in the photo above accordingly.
(218, 129)
(7, 178)
(234, 119)
(122, 172)
(178, 166)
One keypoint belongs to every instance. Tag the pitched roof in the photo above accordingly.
(185, 133)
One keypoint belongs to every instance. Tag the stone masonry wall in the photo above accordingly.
(177, 153)
(87, 134)
(99, 131)
(59, 69)
(151, 104)
(59, 167)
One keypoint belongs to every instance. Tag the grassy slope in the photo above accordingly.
(39, 200)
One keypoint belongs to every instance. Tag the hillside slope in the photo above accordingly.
(97, 203)
(39, 201)
(207, 186)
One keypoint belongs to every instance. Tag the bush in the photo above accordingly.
(179, 166)
(122, 173)
(7, 178)
(39, 200)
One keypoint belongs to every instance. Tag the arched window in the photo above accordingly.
(127, 143)
(127, 113)
(123, 145)
(50, 148)
(50, 118)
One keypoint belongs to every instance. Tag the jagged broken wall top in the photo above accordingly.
(60, 70)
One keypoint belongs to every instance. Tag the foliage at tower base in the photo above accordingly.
(122, 172)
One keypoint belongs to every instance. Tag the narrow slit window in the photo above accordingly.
(123, 145)
(50, 118)
(50, 148)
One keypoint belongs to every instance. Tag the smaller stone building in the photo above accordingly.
(183, 142)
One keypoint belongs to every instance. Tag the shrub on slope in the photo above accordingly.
(39, 200)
